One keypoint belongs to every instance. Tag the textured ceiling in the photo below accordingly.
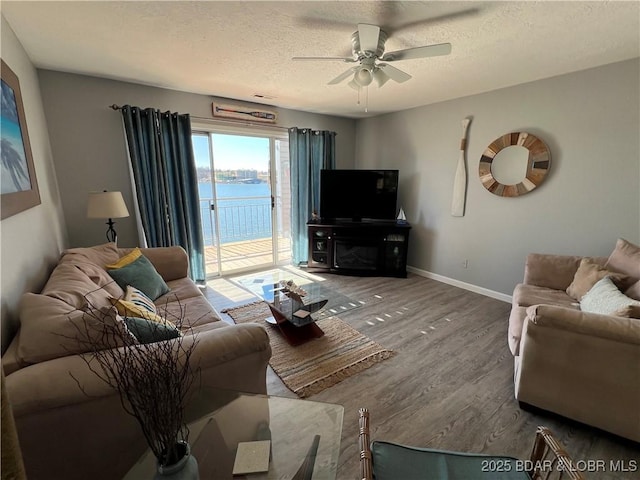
(240, 49)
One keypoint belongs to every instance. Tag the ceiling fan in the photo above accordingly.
(368, 52)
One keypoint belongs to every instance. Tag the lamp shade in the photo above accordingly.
(363, 77)
(106, 205)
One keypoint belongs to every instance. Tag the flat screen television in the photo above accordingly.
(357, 195)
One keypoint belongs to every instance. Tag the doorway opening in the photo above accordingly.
(244, 190)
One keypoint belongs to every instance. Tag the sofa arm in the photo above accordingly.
(172, 263)
(618, 329)
(233, 357)
(52, 413)
(583, 366)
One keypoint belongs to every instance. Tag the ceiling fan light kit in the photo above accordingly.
(363, 77)
(368, 45)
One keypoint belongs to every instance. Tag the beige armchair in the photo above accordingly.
(582, 365)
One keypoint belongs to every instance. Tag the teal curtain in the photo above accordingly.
(310, 151)
(166, 183)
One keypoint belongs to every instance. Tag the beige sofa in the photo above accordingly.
(582, 365)
(65, 433)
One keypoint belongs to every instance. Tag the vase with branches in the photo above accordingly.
(152, 379)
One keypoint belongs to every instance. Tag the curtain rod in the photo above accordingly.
(221, 120)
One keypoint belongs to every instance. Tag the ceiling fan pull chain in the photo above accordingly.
(366, 100)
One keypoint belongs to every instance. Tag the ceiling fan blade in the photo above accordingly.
(394, 73)
(342, 76)
(342, 59)
(368, 35)
(418, 52)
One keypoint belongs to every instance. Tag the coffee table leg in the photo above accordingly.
(295, 335)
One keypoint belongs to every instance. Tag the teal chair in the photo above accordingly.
(391, 461)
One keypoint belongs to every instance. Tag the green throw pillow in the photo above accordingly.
(142, 275)
(147, 331)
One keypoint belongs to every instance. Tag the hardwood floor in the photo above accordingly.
(450, 384)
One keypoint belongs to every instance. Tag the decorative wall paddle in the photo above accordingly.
(460, 180)
(237, 112)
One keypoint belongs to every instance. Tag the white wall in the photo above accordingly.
(89, 148)
(591, 196)
(31, 241)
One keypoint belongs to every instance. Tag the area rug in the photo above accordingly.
(320, 363)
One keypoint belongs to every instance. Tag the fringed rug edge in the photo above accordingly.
(336, 377)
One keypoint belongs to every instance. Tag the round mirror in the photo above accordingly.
(509, 166)
(514, 164)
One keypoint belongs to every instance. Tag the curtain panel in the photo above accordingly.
(165, 180)
(310, 151)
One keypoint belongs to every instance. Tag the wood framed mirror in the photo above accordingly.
(500, 173)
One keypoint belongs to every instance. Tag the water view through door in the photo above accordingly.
(240, 184)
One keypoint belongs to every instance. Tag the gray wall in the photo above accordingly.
(89, 148)
(31, 241)
(590, 120)
(591, 196)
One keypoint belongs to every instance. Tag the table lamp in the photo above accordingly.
(107, 205)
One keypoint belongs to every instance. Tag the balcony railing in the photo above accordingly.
(239, 218)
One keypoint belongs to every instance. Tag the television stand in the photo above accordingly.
(367, 248)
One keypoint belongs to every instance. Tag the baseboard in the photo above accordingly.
(460, 284)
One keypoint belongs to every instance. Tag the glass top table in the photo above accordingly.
(221, 419)
(264, 285)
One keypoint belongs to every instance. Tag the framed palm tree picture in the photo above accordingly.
(18, 184)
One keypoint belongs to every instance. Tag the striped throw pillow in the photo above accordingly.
(130, 309)
(138, 298)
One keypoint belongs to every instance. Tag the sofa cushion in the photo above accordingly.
(629, 311)
(98, 275)
(625, 258)
(51, 328)
(525, 295)
(142, 275)
(189, 312)
(179, 290)
(588, 274)
(185, 304)
(98, 255)
(633, 291)
(72, 286)
(91, 262)
(605, 298)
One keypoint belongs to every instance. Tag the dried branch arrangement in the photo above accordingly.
(152, 379)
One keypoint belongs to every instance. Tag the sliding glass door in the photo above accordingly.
(244, 199)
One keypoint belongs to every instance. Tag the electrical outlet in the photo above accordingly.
(465, 263)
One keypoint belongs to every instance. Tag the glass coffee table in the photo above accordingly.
(262, 284)
(293, 311)
(304, 436)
